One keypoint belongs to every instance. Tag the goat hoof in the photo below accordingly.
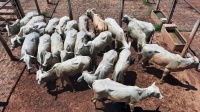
(162, 81)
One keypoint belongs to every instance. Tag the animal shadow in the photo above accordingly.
(130, 78)
(3, 104)
(169, 78)
(82, 86)
(134, 45)
(120, 107)
(173, 81)
(115, 107)
(52, 88)
(139, 109)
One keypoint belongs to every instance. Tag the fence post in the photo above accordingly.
(191, 37)
(20, 8)
(121, 12)
(48, 1)
(157, 5)
(37, 6)
(70, 9)
(171, 11)
(7, 48)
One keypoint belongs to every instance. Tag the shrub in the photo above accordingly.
(146, 3)
(44, 13)
(149, 11)
(157, 27)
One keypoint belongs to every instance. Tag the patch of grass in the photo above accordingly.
(149, 11)
(44, 13)
(157, 27)
(146, 3)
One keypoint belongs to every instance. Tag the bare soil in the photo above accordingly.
(181, 89)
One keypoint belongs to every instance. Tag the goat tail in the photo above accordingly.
(80, 78)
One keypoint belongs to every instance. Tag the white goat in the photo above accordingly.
(93, 47)
(171, 62)
(70, 40)
(103, 70)
(37, 27)
(122, 65)
(14, 28)
(116, 31)
(36, 24)
(51, 25)
(139, 31)
(73, 24)
(65, 55)
(116, 92)
(50, 59)
(44, 45)
(82, 38)
(65, 69)
(29, 49)
(83, 23)
(56, 43)
(62, 24)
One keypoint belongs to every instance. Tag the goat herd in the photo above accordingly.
(65, 47)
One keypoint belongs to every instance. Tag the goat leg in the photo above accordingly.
(165, 73)
(70, 84)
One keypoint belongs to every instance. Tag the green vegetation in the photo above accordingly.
(157, 27)
(146, 3)
(149, 11)
(44, 13)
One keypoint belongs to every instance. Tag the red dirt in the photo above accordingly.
(181, 90)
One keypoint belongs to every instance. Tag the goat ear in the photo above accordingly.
(153, 84)
(21, 59)
(86, 45)
(55, 56)
(195, 59)
(33, 57)
(93, 9)
(43, 53)
(19, 41)
(129, 44)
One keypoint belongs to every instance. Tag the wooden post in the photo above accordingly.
(48, 1)
(37, 6)
(16, 9)
(7, 48)
(121, 12)
(20, 8)
(171, 11)
(191, 37)
(157, 5)
(70, 10)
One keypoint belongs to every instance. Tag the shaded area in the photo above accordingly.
(130, 78)
(54, 89)
(3, 104)
(169, 78)
(121, 107)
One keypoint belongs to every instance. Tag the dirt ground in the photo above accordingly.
(181, 89)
